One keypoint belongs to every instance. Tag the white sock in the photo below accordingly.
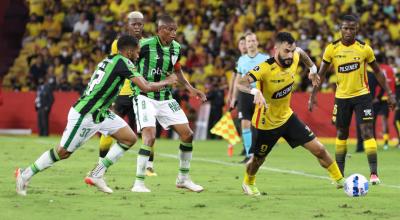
(112, 156)
(149, 164)
(184, 163)
(43, 162)
(115, 153)
(141, 167)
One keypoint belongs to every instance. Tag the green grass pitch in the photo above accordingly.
(293, 185)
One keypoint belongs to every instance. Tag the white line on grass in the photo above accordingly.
(277, 170)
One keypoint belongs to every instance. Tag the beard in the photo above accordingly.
(285, 62)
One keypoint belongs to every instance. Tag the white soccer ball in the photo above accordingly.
(356, 185)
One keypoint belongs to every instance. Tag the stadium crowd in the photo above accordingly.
(65, 39)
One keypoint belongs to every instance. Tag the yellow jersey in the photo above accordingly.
(276, 84)
(126, 88)
(349, 64)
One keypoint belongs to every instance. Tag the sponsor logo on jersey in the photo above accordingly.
(156, 71)
(277, 80)
(368, 112)
(348, 67)
(283, 92)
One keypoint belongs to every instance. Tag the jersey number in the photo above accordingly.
(96, 79)
(85, 132)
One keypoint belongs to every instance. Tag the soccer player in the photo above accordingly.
(90, 114)
(123, 104)
(349, 57)
(160, 55)
(273, 118)
(380, 103)
(245, 101)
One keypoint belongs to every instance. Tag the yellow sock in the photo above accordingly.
(334, 172)
(341, 146)
(386, 137)
(249, 180)
(105, 142)
(370, 146)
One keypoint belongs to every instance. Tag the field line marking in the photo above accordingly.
(277, 170)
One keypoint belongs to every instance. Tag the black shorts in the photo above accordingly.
(245, 106)
(294, 131)
(381, 108)
(123, 105)
(343, 110)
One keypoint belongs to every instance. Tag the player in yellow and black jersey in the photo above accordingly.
(349, 58)
(273, 118)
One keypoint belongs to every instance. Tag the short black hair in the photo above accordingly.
(350, 18)
(126, 41)
(165, 19)
(284, 37)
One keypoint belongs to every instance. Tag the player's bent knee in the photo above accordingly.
(187, 136)
(62, 153)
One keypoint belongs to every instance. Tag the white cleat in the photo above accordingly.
(250, 190)
(140, 187)
(99, 183)
(21, 184)
(188, 184)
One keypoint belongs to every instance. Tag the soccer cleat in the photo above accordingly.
(99, 183)
(374, 180)
(187, 183)
(250, 190)
(21, 184)
(340, 183)
(140, 187)
(150, 172)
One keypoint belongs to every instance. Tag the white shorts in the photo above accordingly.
(166, 112)
(80, 128)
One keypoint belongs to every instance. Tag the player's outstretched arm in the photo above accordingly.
(380, 76)
(182, 80)
(146, 86)
(243, 85)
(306, 60)
(322, 71)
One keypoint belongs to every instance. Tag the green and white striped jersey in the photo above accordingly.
(105, 85)
(155, 61)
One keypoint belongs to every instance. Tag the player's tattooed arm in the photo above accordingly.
(244, 86)
(306, 60)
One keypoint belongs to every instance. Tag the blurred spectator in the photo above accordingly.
(82, 26)
(207, 34)
(43, 103)
(37, 71)
(71, 19)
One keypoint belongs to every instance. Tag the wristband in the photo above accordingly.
(313, 69)
(254, 91)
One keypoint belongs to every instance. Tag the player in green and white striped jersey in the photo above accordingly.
(91, 114)
(159, 56)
